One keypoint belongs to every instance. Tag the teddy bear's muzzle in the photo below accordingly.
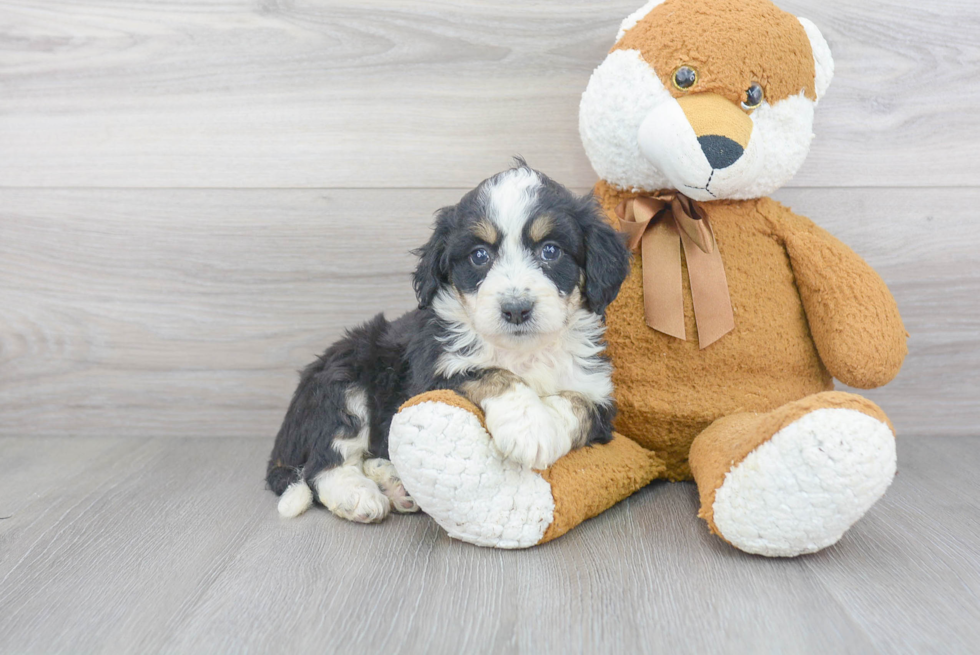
(699, 142)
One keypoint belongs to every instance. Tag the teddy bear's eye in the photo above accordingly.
(754, 96)
(685, 77)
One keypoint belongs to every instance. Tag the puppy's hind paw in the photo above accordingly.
(384, 475)
(348, 494)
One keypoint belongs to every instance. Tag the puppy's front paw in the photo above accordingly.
(524, 429)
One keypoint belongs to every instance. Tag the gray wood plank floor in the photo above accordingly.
(172, 545)
(196, 197)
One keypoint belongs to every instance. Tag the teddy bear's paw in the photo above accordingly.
(525, 429)
(450, 466)
(346, 492)
(384, 475)
(802, 489)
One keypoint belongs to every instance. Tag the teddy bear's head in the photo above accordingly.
(712, 98)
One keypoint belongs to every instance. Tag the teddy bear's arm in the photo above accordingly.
(853, 317)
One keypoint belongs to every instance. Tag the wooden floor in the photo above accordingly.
(172, 545)
(197, 197)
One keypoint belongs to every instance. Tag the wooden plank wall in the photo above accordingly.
(196, 197)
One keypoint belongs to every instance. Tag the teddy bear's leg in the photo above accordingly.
(447, 461)
(794, 480)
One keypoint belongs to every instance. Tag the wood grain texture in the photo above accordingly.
(169, 313)
(173, 546)
(383, 93)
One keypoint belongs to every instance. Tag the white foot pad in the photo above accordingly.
(801, 490)
(450, 467)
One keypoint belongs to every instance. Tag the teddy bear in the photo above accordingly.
(734, 322)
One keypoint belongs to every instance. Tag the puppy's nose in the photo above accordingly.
(516, 311)
(721, 151)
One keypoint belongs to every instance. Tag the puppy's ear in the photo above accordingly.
(607, 260)
(432, 272)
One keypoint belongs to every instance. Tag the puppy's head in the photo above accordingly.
(518, 257)
(712, 98)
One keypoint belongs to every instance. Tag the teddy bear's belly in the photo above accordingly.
(669, 390)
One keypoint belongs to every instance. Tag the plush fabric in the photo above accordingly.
(728, 441)
(731, 43)
(444, 455)
(589, 481)
(784, 465)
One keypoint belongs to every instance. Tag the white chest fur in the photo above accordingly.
(568, 361)
(552, 369)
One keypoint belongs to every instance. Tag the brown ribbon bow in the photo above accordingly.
(658, 225)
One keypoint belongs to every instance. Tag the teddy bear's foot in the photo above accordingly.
(794, 480)
(449, 464)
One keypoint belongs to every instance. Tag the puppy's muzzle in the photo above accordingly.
(516, 310)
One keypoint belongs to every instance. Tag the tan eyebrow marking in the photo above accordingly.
(541, 227)
(485, 230)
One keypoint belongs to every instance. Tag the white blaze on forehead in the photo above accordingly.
(509, 201)
(509, 198)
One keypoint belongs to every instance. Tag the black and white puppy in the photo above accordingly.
(512, 290)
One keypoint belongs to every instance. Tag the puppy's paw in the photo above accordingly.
(384, 475)
(524, 429)
(346, 492)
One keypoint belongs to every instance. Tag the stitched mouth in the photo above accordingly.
(705, 187)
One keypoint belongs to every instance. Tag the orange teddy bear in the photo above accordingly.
(735, 320)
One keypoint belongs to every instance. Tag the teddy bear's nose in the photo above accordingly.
(721, 151)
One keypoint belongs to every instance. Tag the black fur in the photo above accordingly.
(393, 361)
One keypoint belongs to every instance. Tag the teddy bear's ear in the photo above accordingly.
(822, 59)
(636, 17)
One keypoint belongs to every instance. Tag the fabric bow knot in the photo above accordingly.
(659, 225)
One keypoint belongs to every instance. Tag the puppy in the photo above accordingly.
(512, 290)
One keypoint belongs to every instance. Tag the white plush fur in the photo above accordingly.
(823, 60)
(621, 93)
(801, 490)
(526, 429)
(346, 492)
(449, 465)
(296, 499)
(634, 18)
(637, 137)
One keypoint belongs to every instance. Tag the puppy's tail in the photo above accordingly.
(295, 495)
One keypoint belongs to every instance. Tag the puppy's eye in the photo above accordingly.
(480, 257)
(685, 77)
(754, 96)
(550, 252)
